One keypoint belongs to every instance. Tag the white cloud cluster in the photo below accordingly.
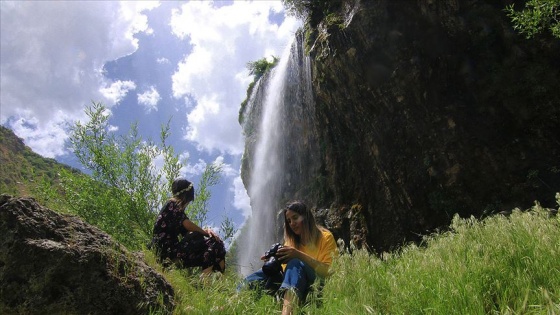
(195, 169)
(53, 53)
(48, 144)
(149, 99)
(224, 39)
(117, 90)
(241, 200)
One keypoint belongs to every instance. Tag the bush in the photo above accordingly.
(125, 191)
(536, 17)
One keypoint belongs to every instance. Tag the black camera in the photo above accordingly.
(272, 265)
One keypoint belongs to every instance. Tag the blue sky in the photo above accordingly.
(148, 61)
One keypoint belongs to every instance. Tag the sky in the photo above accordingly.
(149, 62)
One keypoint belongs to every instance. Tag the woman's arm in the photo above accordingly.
(287, 252)
(321, 268)
(191, 227)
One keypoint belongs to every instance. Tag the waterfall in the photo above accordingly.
(283, 96)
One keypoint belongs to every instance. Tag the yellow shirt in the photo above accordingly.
(324, 251)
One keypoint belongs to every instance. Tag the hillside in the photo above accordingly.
(21, 168)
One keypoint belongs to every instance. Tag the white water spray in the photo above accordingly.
(280, 116)
(266, 173)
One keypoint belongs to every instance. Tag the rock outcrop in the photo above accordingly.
(57, 264)
(431, 108)
(423, 109)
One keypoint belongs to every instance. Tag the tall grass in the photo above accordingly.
(501, 265)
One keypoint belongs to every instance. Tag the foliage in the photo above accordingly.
(126, 190)
(198, 209)
(23, 170)
(241, 118)
(259, 67)
(536, 17)
(311, 11)
(299, 8)
(501, 265)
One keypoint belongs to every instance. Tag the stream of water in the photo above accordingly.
(268, 179)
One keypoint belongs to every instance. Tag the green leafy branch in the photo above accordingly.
(536, 17)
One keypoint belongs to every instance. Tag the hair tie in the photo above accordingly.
(183, 190)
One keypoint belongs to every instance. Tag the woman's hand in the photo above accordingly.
(286, 253)
(212, 234)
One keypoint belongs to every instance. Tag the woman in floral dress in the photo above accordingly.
(178, 239)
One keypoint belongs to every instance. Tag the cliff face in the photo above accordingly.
(423, 109)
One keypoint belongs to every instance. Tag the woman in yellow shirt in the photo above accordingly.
(307, 254)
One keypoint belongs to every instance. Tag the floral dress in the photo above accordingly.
(174, 242)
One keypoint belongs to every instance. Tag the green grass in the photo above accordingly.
(501, 265)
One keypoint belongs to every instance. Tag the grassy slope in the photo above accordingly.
(21, 169)
(502, 265)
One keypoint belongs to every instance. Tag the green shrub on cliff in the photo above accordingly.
(536, 17)
(261, 66)
(256, 68)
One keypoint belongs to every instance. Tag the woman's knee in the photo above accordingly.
(295, 263)
(218, 247)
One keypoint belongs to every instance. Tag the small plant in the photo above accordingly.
(256, 68)
(536, 17)
(259, 67)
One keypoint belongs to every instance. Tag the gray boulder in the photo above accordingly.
(58, 264)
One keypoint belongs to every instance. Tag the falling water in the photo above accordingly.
(269, 180)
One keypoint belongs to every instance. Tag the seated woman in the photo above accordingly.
(197, 247)
(307, 254)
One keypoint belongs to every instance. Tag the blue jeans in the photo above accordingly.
(298, 276)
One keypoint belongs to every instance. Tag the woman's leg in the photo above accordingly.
(215, 255)
(209, 255)
(290, 300)
(297, 279)
(207, 271)
(253, 281)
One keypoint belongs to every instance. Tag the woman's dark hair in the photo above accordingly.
(311, 232)
(183, 191)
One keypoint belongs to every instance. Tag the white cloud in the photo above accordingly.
(162, 61)
(227, 170)
(134, 22)
(195, 66)
(117, 90)
(209, 121)
(48, 140)
(149, 99)
(241, 200)
(184, 157)
(53, 53)
(224, 39)
(195, 169)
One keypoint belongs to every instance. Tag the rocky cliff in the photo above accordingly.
(423, 109)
